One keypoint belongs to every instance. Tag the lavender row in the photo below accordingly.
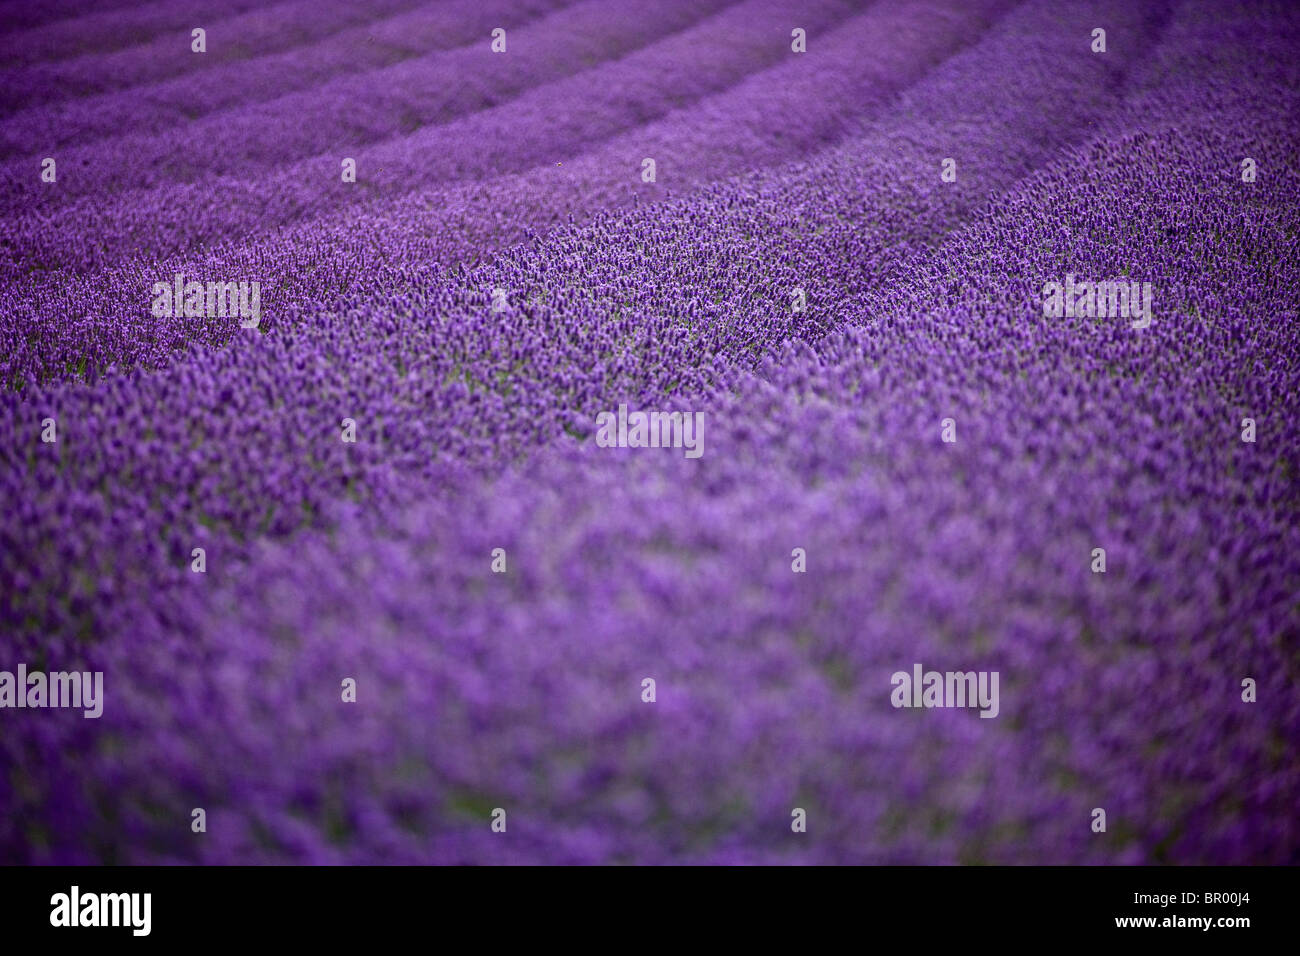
(581, 328)
(314, 267)
(354, 106)
(158, 107)
(280, 171)
(119, 49)
(523, 690)
(15, 17)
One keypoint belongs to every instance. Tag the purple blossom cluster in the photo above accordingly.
(475, 421)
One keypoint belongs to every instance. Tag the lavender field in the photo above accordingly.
(971, 331)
